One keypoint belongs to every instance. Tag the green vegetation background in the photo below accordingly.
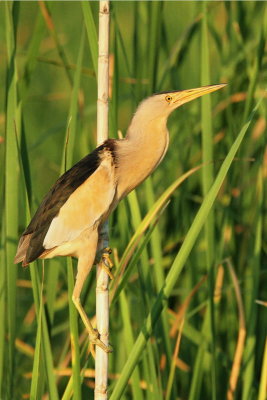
(47, 74)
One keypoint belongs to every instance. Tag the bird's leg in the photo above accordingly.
(106, 262)
(93, 333)
(84, 267)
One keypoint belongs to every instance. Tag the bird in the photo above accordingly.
(69, 219)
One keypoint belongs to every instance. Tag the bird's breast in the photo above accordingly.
(137, 159)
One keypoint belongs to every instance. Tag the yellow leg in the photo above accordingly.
(85, 264)
(106, 262)
(93, 333)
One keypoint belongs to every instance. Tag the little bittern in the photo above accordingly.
(69, 219)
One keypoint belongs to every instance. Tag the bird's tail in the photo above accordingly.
(22, 250)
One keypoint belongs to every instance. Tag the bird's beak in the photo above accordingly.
(185, 96)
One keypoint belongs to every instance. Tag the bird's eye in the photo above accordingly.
(168, 98)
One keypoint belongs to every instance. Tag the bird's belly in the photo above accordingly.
(74, 248)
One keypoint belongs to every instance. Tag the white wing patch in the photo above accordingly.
(85, 206)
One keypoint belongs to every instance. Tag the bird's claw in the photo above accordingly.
(106, 262)
(94, 339)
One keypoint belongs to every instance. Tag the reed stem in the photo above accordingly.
(102, 294)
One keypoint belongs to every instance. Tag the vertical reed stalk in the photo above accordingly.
(102, 295)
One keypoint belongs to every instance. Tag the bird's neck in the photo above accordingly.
(140, 152)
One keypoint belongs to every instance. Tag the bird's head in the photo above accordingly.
(161, 105)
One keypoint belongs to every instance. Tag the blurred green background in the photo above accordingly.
(47, 75)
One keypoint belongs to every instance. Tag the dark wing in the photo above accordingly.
(31, 244)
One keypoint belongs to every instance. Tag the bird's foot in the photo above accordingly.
(94, 339)
(106, 262)
(94, 336)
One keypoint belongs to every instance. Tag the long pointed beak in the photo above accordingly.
(185, 96)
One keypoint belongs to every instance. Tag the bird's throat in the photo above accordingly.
(139, 154)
